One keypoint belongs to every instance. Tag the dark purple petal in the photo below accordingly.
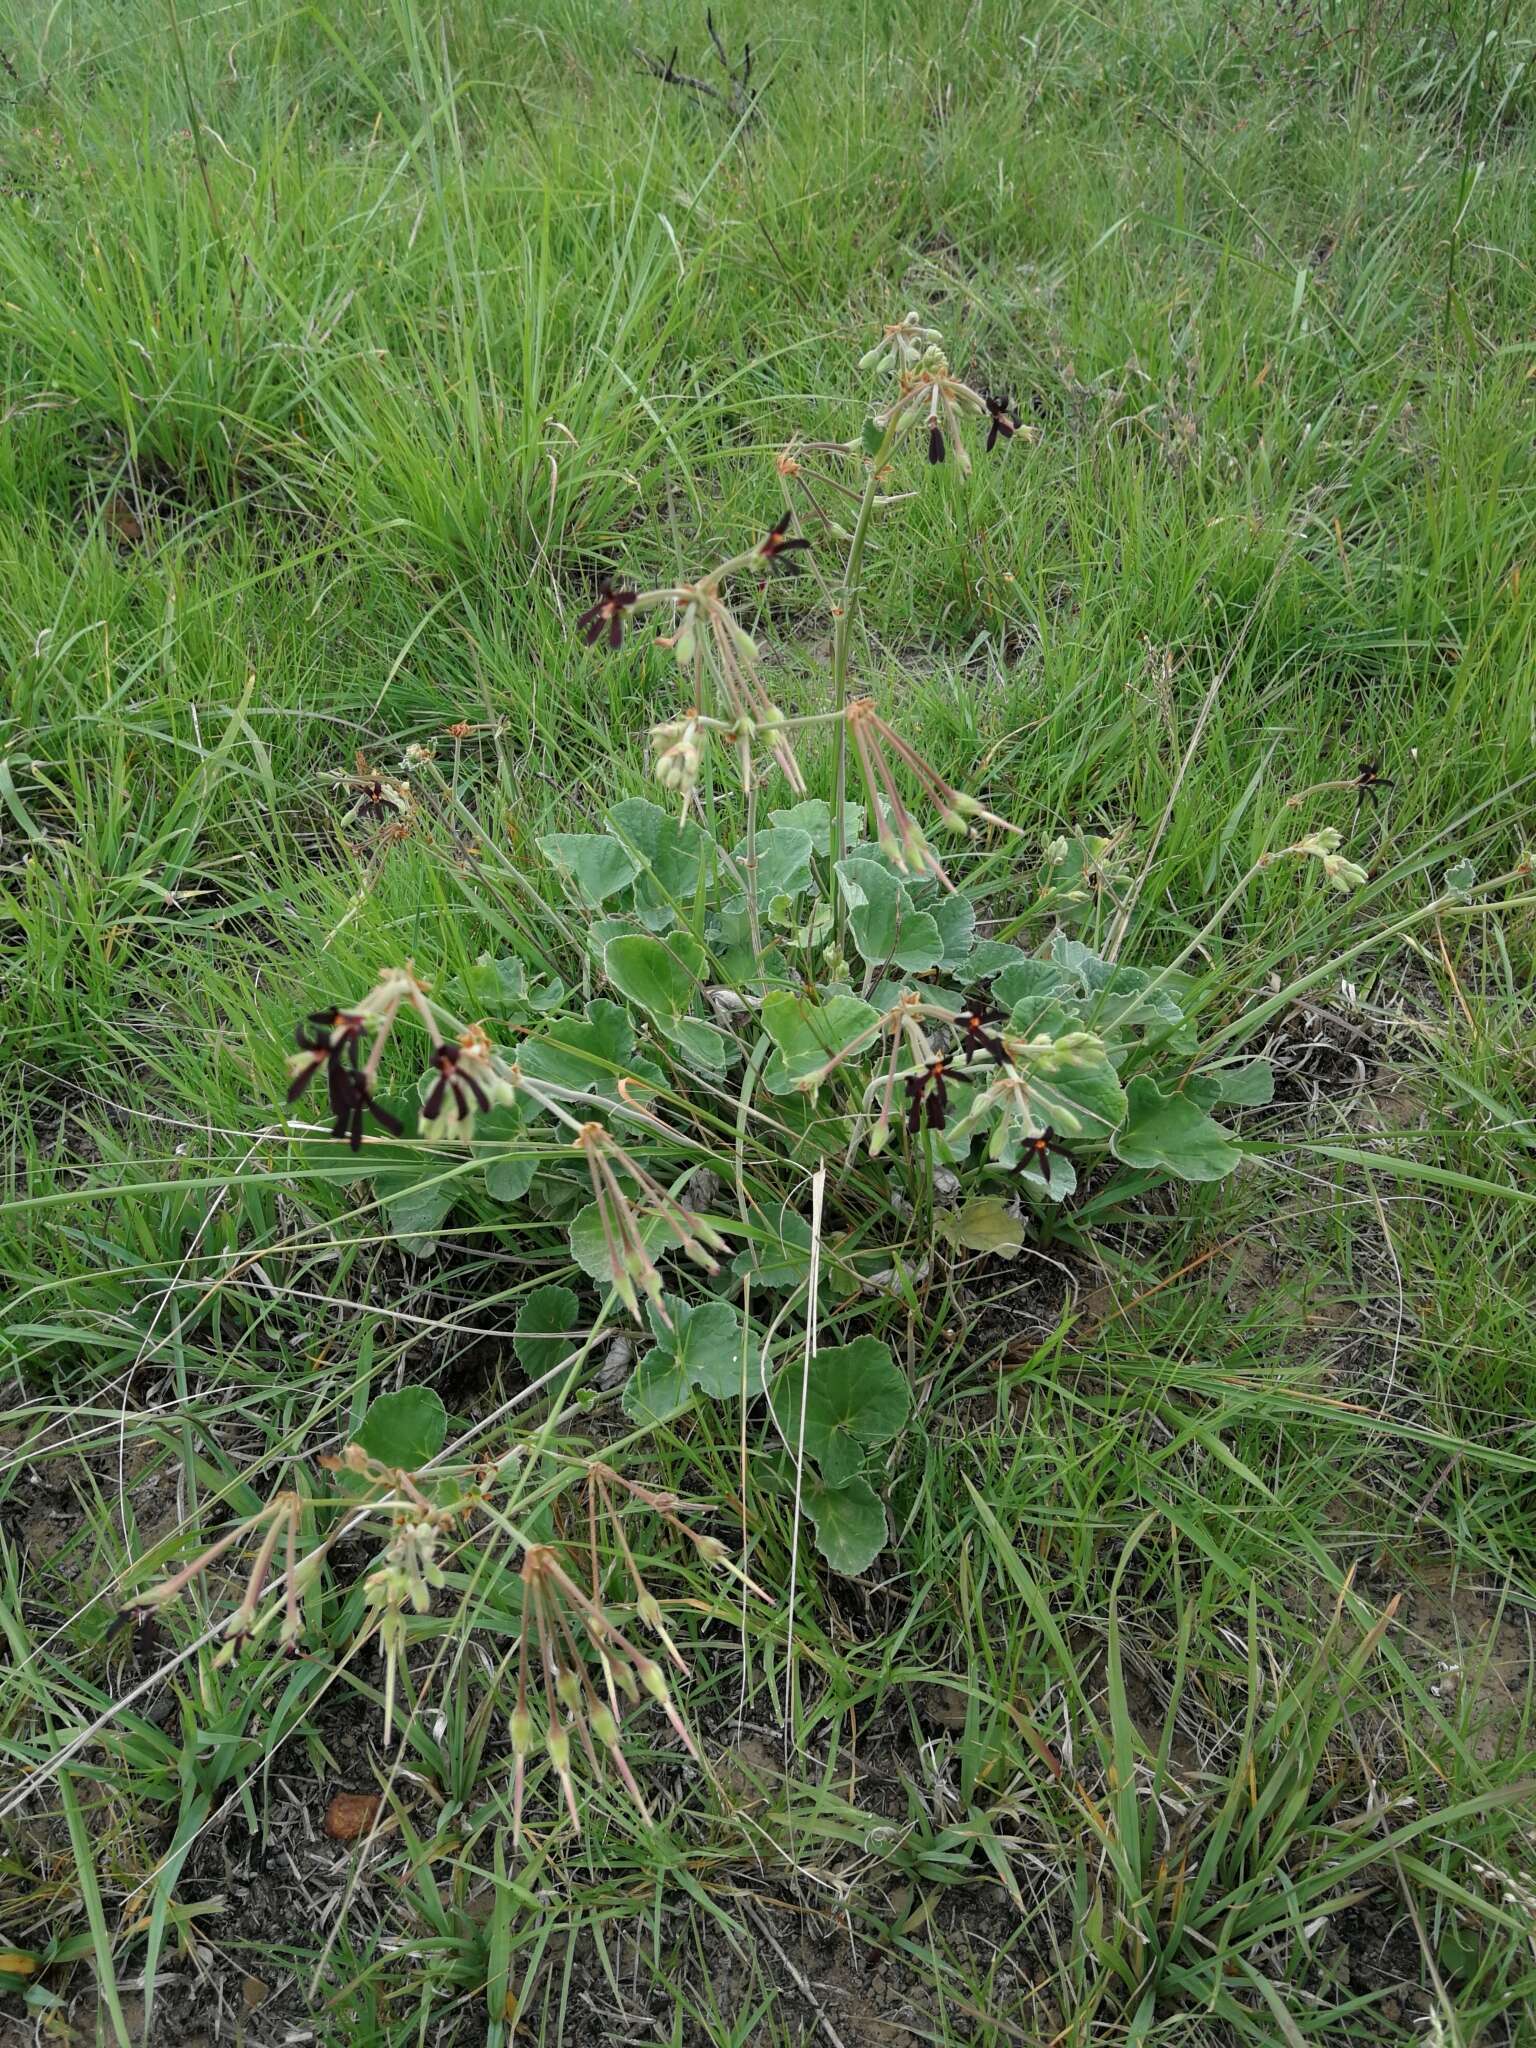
(385, 1118)
(935, 442)
(302, 1080)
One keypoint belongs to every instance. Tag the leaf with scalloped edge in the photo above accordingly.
(849, 1521)
(856, 1399)
(1174, 1133)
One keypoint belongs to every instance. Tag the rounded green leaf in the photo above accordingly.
(1171, 1132)
(657, 1389)
(509, 1176)
(542, 1322)
(592, 1052)
(882, 922)
(596, 863)
(705, 1045)
(661, 975)
(856, 1400)
(849, 1522)
(985, 1224)
(702, 1349)
(589, 1247)
(706, 1342)
(783, 856)
(404, 1430)
(808, 1036)
(1250, 1086)
(955, 918)
(415, 1200)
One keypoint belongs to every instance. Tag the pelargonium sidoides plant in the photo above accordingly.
(827, 949)
(777, 994)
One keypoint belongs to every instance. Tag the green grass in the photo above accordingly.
(342, 351)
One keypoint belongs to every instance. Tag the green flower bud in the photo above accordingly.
(650, 1676)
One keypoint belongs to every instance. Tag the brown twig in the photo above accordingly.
(737, 98)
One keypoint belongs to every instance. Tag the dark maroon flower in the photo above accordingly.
(1370, 779)
(1038, 1150)
(330, 1039)
(1004, 420)
(779, 542)
(935, 442)
(978, 1022)
(928, 1094)
(606, 616)
(452, 1079)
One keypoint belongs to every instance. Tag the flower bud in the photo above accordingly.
(649, 1673)
(604, 1727)
(1344, 875)
(520, 1728)
(558, 1743)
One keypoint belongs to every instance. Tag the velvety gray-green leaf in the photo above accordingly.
(1174, 1133)
(596, 863)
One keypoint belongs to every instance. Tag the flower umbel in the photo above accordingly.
(378, 798)
(900, 345)
(630, 1265)
(330, 1039)
(278, 1522)
(563, 1629)
(901, 838)
(1323, 847)
(929, 391)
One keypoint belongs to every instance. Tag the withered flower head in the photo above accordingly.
(606, 616)
(631, 1268)
(877, 747)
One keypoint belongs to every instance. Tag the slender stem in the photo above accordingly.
(754, 915)
(842, 637)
